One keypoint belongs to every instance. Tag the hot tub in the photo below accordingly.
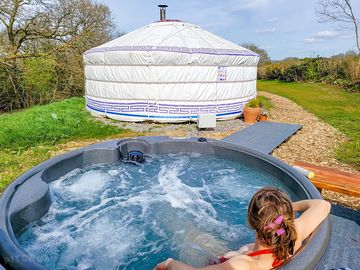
(28, 199)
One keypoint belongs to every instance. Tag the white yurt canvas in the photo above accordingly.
(169, 71)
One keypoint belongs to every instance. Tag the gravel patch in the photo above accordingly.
(223, 128)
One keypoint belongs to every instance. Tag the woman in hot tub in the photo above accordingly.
(278, 233)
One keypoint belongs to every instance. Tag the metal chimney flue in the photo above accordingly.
(162, 12)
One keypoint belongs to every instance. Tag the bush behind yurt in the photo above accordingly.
(341, 70)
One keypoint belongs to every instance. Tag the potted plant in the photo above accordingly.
(263, 114)
(252, 111)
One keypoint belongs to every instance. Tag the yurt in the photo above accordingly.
(169, 71)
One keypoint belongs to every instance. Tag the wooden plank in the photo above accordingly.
(332, 179)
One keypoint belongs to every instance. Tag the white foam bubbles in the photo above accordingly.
(88, 184)
(113, 172)
(180, 195)
(103, 236)
(236, 188)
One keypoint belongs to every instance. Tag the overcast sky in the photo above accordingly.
(284, 28)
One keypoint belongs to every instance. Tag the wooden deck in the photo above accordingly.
(334, 180)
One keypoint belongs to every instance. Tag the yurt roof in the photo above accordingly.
(173, 36)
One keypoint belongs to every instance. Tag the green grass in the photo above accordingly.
(334, 106)
(31, 136)
(12, 164)
(50, 124)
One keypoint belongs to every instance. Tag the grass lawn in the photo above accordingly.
(30, 136)
(334, 106)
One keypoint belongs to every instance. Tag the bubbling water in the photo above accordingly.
(121, 216)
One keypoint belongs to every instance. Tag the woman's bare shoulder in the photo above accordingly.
(242, 262)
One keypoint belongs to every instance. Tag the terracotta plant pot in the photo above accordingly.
(251, 114)
(263, 118)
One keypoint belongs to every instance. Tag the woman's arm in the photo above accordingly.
(239, 262)
(171, 264)
(314, 212)
(301, 206)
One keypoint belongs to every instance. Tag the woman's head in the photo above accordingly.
(270, 213)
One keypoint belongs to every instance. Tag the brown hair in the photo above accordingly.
(266, 205)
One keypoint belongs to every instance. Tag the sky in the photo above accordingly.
(284, 28)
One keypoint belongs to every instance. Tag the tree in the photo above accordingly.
(264, 57)
(25, 20)
(38, 21)
(47, 34)
(339, 11)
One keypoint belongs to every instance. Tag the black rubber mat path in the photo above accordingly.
(263, 136)
(344, 247)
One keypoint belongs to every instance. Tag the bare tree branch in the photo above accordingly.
(339, 11)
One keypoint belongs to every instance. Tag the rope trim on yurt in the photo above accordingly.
(141, 101)
(227, 52)
(165, 65)
(187, 82)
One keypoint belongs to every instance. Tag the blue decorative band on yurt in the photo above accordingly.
(167, 110)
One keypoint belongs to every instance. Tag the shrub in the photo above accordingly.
(272, 72)
(343, 71)
(39, 79)
(254, 103)
(315, 69)
(294, 73)
(259, 102)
